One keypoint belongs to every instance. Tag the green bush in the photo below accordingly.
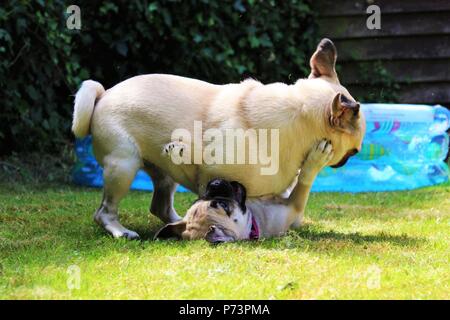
(377, 84)
(43, 62)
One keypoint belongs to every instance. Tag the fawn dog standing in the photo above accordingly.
(132, 121)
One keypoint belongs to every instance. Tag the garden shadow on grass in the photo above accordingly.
(91, 242)
(315, 235)
(316, 238)
(146, 233)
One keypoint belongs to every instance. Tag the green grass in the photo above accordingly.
(373, 245)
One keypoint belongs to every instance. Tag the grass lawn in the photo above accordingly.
(373, 245)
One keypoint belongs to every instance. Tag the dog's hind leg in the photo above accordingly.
(118, 174)
(163, 194)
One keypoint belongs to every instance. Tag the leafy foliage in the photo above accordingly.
(42, 62)
(378, 84)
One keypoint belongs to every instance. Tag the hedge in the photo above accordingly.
(43, 62)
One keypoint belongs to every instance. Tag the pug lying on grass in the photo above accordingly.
(223, 213)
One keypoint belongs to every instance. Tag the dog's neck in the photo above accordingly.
(273, 216)
(297, 135)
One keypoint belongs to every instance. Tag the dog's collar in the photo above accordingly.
(254, 229)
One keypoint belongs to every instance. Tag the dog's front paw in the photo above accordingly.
(320, 154)
(174, 148)
(317, 158)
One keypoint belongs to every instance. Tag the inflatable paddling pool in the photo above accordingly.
(404, 148)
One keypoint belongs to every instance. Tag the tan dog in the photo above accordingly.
(223, 214)
(131, 122)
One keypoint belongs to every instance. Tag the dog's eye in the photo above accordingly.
(224, 205)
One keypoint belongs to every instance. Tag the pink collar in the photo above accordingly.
(254, 231)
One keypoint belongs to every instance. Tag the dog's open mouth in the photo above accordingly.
(218, 235)
(345, 159)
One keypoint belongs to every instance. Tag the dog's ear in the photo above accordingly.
(323, 61)
(344, 113)
(171, 230)
(239, 194)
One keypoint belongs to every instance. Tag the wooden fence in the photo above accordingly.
(413, 45)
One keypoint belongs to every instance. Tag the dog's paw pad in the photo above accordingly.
(126, 234)
(321, 154)
(131, 235)
(176, 147)
(324, 146)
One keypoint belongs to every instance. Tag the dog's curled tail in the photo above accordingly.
(84, 107)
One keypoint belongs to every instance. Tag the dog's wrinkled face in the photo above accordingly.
(347, 126)
(345, 123)
(219, 216)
